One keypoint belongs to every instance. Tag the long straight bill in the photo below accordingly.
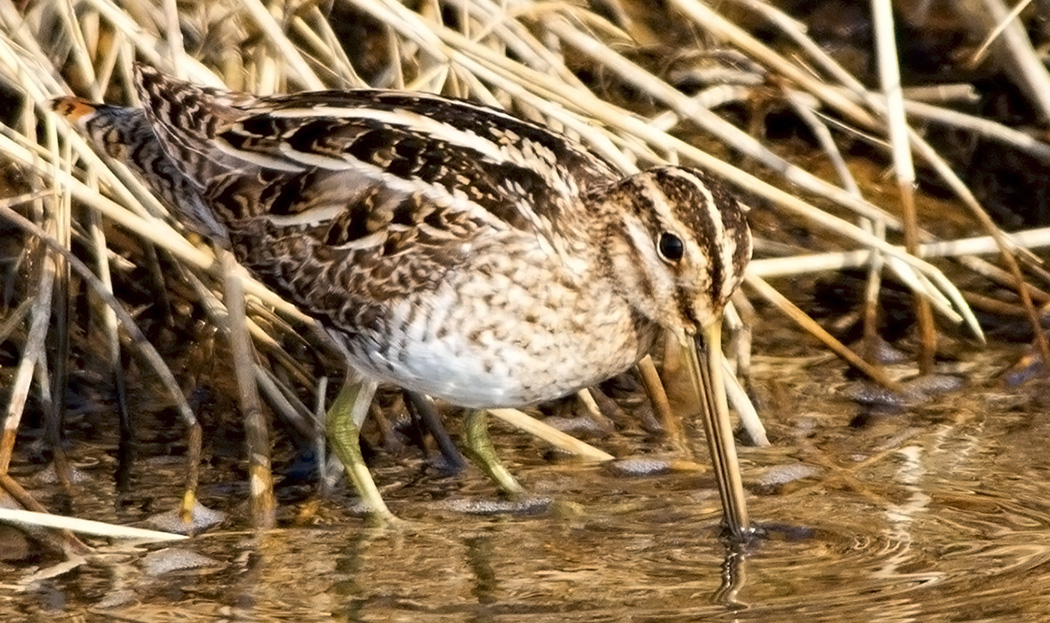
(709, 383)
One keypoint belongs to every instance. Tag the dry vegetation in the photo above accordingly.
(95, 269)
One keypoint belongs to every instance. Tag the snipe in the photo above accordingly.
(454, 249)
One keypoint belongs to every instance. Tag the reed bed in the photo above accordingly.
(76, 219)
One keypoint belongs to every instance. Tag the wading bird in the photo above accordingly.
(453, 249)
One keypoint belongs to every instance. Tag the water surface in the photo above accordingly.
(936, 512)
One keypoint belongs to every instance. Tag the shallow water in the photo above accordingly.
(938, 512)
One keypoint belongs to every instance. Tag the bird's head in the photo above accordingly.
(678, 243)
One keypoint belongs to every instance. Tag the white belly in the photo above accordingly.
(517, 347)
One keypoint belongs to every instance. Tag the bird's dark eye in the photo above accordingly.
(671, 247)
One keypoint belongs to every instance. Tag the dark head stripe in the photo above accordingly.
(712, 217)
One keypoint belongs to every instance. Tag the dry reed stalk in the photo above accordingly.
(511, 54)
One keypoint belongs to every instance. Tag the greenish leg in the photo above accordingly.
(344, 434)
(480, 450)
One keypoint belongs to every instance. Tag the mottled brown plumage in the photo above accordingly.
(458, 251)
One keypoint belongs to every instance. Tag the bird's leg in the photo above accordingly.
(344, 433)
(422, 409)
(480, 450)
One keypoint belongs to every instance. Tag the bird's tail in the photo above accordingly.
(126, 136)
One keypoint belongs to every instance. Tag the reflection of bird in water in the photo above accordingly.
(453, 249)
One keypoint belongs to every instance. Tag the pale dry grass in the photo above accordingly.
(515, 54)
